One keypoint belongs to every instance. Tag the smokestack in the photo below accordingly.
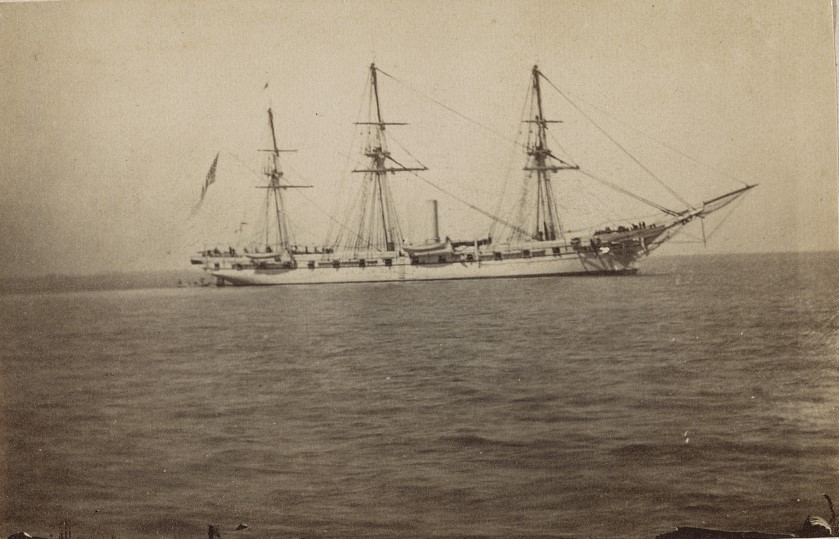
(433, 222)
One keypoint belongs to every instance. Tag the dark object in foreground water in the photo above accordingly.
(705, 533)
(816, 527)
(813, 527)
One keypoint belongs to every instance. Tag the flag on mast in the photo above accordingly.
(211, 177)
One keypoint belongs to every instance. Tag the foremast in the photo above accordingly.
(378, 227)
(547, 225)
(626, 243)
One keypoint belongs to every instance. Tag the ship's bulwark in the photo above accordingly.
(610, 253)
(699, 394)
(404, 270)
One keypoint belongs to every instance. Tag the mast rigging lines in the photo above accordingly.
(380, 214)
(585, 172)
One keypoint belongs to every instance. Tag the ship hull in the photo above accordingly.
(403, 270)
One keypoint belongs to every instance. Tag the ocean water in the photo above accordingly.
(703, 391)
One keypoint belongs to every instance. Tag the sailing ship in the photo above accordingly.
(371, 246)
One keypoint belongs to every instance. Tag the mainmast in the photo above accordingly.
(378, 226)
(547, 225)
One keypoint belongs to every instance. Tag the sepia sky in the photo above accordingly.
(111, 113)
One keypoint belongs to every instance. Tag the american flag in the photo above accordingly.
(211, 177)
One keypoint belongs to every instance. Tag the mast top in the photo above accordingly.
(273, 133)
(377, 148)
(376, 94)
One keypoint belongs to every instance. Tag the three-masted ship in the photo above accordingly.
(371, 247)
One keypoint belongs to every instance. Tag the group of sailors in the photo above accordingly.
(231, 252)
(635, 226)
(216, 253)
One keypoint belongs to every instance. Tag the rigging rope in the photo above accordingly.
(312, 202)
(472, 206)
(628, 193)
(616, 143)
(346, 169)
(323, 211)
(519, 144)
(661, 143)
(509, 169)
(448, 108)
(613, 186)
(725, 218)
(494, 218)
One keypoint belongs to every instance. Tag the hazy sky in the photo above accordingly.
(111, 113)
